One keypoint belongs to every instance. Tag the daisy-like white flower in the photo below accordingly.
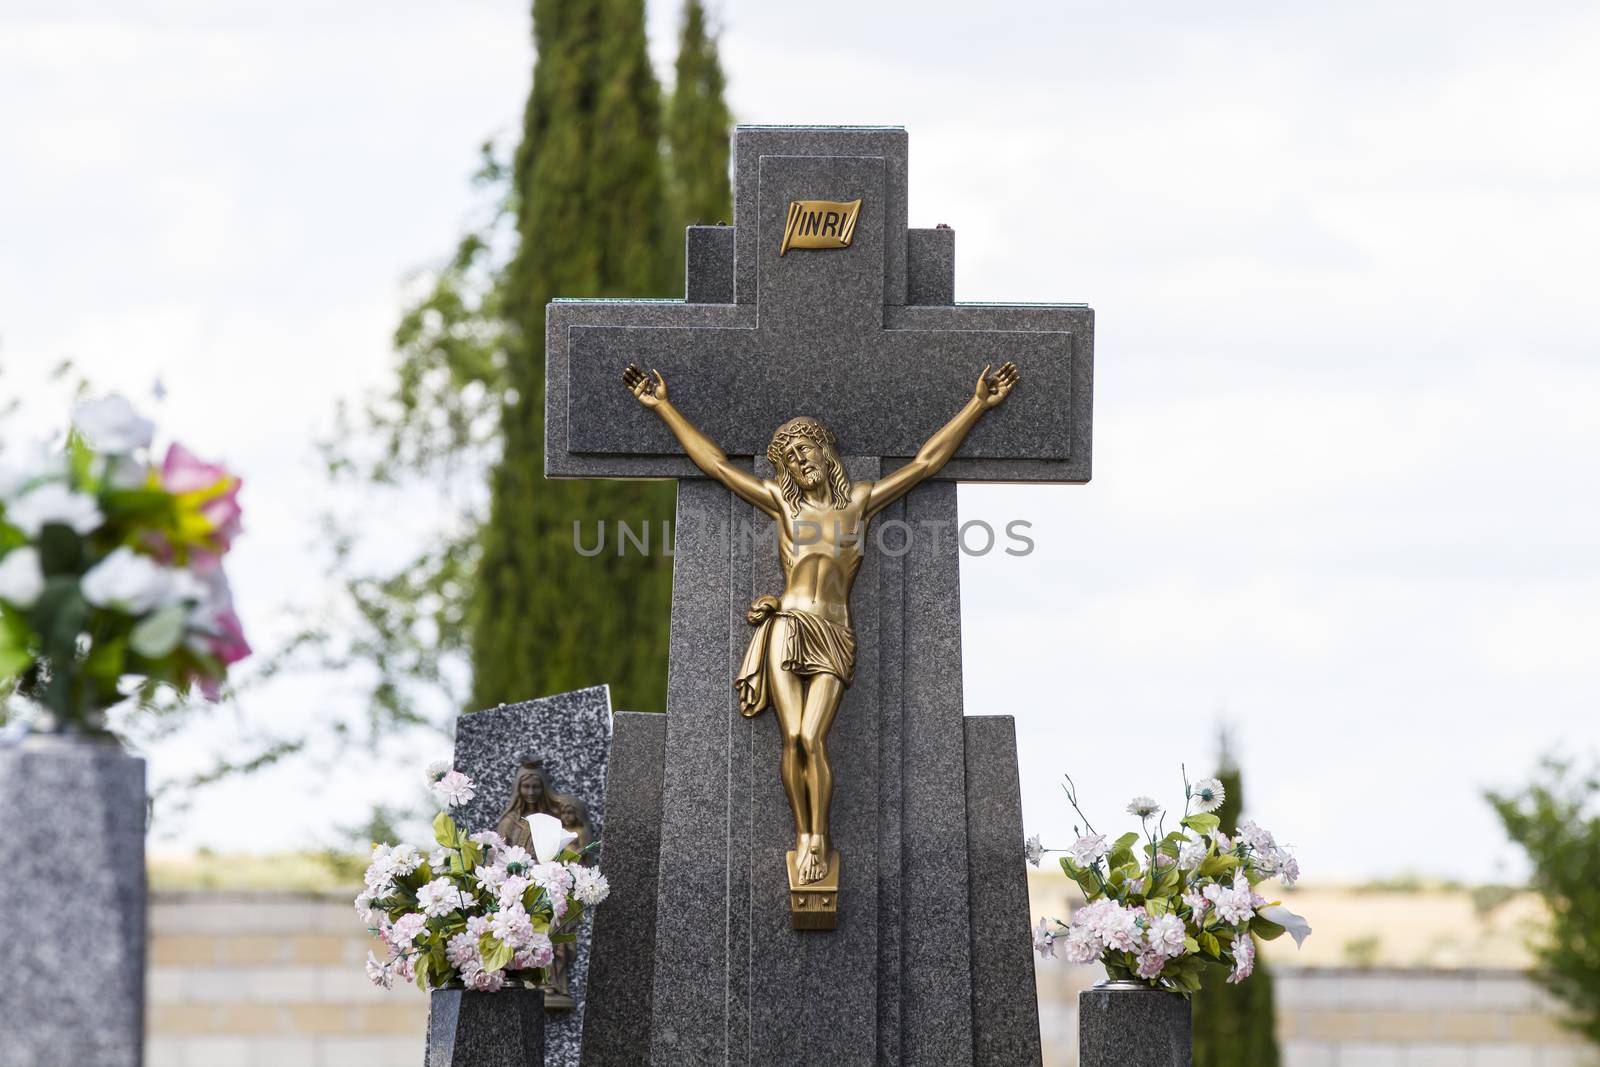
(1044, 940)
(488, 838)
(589, 886)
(378, 972)
(1089, 848)
(515, 859)
(439, 859)
(1208, 795)
(1033, 849)
(454, 789)
(435, 771)
(1143, 807)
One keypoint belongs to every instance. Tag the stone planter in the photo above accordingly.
(72, 903)
(1128, 1024)
(468, 1029)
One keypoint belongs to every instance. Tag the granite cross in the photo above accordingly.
(868, 339)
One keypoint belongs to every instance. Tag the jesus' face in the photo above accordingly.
(805, 462)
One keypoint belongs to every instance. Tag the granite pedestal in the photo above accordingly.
(72, 901)
(926, 812)
(1132, 1025)
(502, 1029)
(572, 733)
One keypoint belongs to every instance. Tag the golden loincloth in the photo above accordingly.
(812, 645)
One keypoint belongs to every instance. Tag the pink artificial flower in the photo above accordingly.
(184, 473)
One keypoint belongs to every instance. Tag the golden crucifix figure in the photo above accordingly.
(802, 656)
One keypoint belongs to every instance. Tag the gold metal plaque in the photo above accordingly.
(819, 224)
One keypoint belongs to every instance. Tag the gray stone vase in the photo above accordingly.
(1128, 1024)
(470, 1029)
(73, 902)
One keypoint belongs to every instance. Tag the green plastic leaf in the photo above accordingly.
(1209, 943)
(1265, 929)
(496, 953)
(1216, 866)
(1204, 824)
(423, 962)
(1125, 841)
(445, 830)
(156, 636)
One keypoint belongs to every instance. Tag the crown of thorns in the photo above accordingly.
(803, 426)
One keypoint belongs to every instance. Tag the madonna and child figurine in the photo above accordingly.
(802, 655)
(532, 792)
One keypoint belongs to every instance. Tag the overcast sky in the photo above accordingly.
(1342, 259)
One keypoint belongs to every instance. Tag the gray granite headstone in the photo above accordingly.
(925, 811)
(1133, 1025)
(73, 903)
(572, 733)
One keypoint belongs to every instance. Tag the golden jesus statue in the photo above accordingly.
(802, 656)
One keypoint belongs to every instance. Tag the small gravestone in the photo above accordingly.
(560, 744)
(72, 899)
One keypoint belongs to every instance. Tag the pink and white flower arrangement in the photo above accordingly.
(111, 569)
(476, 913)
(1161, 907)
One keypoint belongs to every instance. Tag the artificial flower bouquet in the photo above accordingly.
(111, 569)
(476, 912)
(1161, 907)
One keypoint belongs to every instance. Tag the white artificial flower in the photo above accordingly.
(1143, 807)
(112, 425)
(1288, 868)
(481, 981)
(439, 898)
(127, 582)
(590, 886)
(21, 577)
(454, 789)
(509, 894)
(512, 925)
(1259, 840)
(1082, 944)
(1089, 848)
(487, 838)
(406, 928)
(1165, 936)
(493, 876)
(1244, 958)
(380, 870)
(378, 972)
(1044, 940)
(404, 859)
(435, 771)
(515, 859)
(550, 838)
(1235, 905)
(462, 949)
(1296, 925)
(54, 504)
(537, 951)
(1191, 853)
(1033, 850)
(439, 859)
(553, 878)
(369, 915)
(1208, 795)
(1150, 965)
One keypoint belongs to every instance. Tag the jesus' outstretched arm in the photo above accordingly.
(936, 452)
(702, 451)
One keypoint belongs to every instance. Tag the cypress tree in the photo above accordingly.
(1234, 1025)
(592, 213)
(697, 125)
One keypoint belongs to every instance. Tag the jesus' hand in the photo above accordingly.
(647, 392)
(992, 389)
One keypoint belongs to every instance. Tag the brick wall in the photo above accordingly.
(276, 980)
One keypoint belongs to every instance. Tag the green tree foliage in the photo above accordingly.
(592, 220)
(1556, 821)
(697, 125)
(1234, 1025)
